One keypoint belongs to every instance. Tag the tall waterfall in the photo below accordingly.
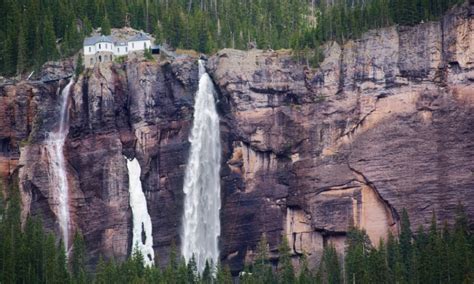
(202, 201)
(58, 174)
(142, 236)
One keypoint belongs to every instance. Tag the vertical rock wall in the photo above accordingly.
(384, 123)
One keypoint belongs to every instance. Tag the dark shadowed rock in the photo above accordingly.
(384, 124)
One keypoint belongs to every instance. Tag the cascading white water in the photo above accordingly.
(202, 201)
(58, 174)
(142, 230)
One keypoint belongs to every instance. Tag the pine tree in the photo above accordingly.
(406, 236)
(87, 27)
(79, 65)
(377, 265)
(49, 49)
(305, 276)
(50, 260)
(193, 275)
(262, 271)
(463, 270)
(72, 40)
(78, 259)
(105, 26)
(22, 57)
(172, 266)
(207, 274)
(329, 270)
(286, 272)
(356, 256)
(394, 259)
(435, 251)
(421, 258)
(101, 276)
(137, 262)
(223, 275)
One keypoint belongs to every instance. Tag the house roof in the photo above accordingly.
(95, 39)
(139, 37)
(115, 40)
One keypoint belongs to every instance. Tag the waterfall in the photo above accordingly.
(202, 201)
(58, 174)
(142, 231)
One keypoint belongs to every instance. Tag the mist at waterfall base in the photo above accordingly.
(57, 166)
(202, 201)
(142, 230)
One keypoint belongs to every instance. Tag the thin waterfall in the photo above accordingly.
(58, 173)
(142, 230)
(202, 201)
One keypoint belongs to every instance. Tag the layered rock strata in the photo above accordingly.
(384, 123)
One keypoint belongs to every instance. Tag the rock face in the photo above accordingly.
(139, 110)
(384, 123)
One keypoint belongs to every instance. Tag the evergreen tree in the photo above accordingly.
(50, 260)
(262, 271)
(357, 256)
(329, 270)
(49, 49)
(193, 275)
(406, 236)
(79, 65)
(105, 26)
(101, 276)
(223, 275)
(72, 40)
(87, 27)
(78, 259)
(463, 271)
(376, 264)
(394, 260)
(434, 247)
(286, 272)
(137, 263)
(22, 57)
(305, 276)
(207, 274)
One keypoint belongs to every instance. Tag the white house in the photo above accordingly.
(106, 48)
(139, 42)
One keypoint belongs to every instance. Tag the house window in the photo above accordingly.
(118, 49)
(90, 49)
(126, 49)
(133, 45)
(92, 61)
(106, 46)
(99, 46)
(100, 58)
(144, 45)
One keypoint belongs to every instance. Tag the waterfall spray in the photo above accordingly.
(58, 176)
(202, 201)
(142, 230)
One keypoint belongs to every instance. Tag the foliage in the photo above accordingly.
(329, 269)
(105, 26)
(148, 55)
(31, 255)
(31, 28)
(79, 65)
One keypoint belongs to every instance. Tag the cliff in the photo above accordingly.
(384, 123)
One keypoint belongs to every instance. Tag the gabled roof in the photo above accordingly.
(95, 39)
(139, 37)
